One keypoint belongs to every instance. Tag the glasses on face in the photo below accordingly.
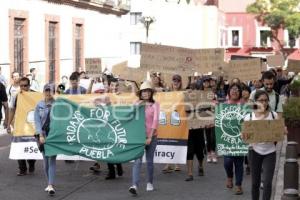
(24, 85)
(262, 100)
(235, 89)
(176, 81)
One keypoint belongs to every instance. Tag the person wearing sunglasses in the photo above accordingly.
(24, 87)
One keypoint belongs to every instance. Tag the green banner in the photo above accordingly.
(114, 134)
(228, 129)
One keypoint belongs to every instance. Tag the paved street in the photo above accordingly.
(75, 182)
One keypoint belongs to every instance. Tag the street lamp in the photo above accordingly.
(147, 21)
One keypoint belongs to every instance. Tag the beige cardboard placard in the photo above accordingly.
(197, 99)
(136, 74)
(245, 70)
(170, 59)
(264, 130)
(93, 66)
(197, 121)
(293, 66)
(275, 60)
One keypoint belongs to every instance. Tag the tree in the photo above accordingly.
(278, 14)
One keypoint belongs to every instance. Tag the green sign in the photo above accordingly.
(114, 134)
(228, 129)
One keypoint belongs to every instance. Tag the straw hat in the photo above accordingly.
(146, 85)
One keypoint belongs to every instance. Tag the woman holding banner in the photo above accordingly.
(234, 97)
(152, 110)
(262, 154)
(42, 123)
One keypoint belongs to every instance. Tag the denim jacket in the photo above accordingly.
(40, 115)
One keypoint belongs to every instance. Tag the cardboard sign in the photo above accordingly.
(245, 70)
(197, 99)
(127, 73)
(275, 61)
(263, 130)
(93, 66)
(201, 120)
(293, 66)
(169, 59)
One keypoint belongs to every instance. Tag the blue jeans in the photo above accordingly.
(237, 162)
(50, 168)
(150, 149)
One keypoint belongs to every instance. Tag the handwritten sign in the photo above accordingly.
(263, 130)
(93, 66)
(245, 70)
(275, 60)
(293, 66)
(170, 59)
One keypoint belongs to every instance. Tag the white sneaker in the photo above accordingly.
(47, 189)
(133, 190)
(209, 159)
(149, 187)
(214, 158)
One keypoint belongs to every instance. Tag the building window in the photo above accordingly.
(78, 44)
(135, 18)
(135, 48)
(264, 38)
(235, 37)
(52, 51)
(18, 41)
(19, 45)
(290, 41)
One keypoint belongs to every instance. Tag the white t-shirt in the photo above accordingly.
(12, 92)
(263, 148)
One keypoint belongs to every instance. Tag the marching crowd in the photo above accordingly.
(267, 94)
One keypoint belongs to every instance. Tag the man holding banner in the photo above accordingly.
(24, 86)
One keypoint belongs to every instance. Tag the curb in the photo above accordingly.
(279, 171)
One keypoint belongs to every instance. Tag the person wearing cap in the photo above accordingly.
(152, 109)
(41, 119)
(176, 86)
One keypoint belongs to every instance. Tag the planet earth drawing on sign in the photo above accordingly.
(96, 134)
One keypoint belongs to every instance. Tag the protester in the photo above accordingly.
(221, 92)
(276, 100)
(176, 86)
(75, 89)
(152, 110)
(113, 88)
(196, 142)
(42, 121)
(157, 83)
(209, 84)
(262, 155)
(74, 85)
(234, 95)
(34, 83)
(3, 80)
(3, 102)
(24, 86)
(13, 89)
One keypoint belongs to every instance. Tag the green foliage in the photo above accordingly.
(295, 85)
(277, 14)
(291, 111)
